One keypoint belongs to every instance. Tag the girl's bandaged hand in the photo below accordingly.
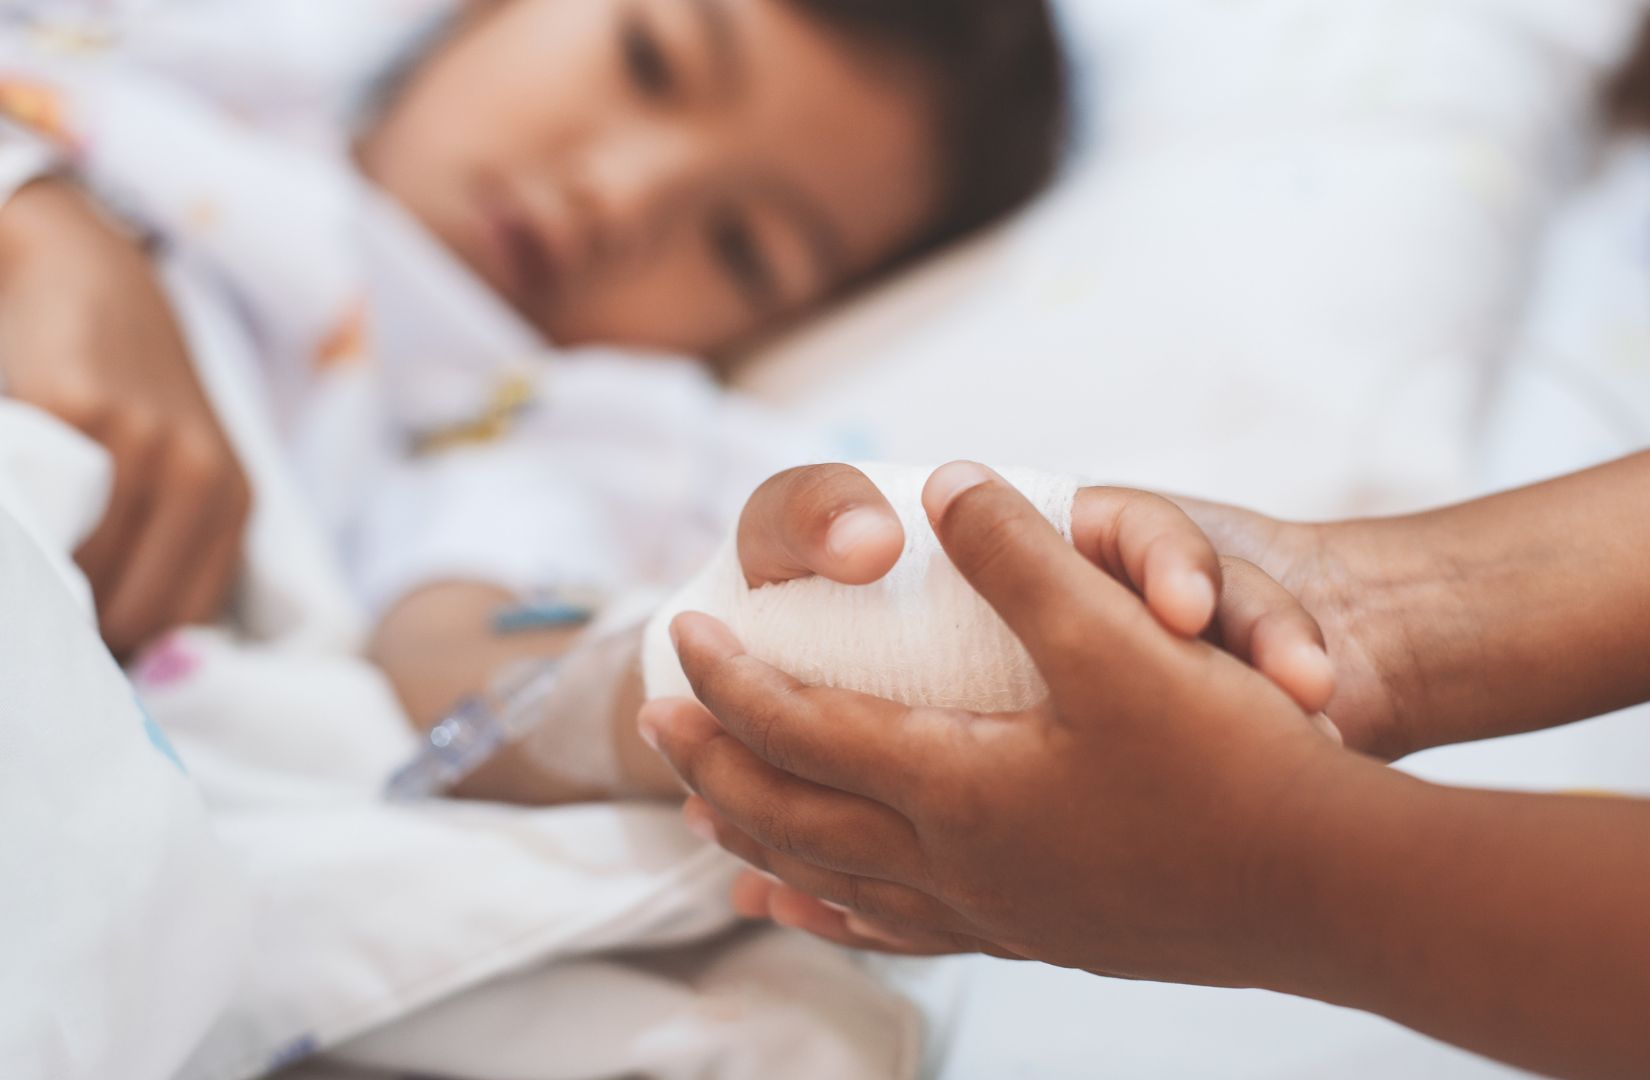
(920, 635)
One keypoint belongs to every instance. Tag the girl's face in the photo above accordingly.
(680, 174)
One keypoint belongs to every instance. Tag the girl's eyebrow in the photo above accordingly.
(726, 50)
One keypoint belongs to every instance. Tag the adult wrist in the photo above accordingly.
(1404, 600)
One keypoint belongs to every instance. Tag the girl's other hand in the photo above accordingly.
(87, 334)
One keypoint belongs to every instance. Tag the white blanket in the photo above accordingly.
(113, 889)
(363, 913)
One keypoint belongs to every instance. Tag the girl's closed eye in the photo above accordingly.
(646, 62)
(738, 252)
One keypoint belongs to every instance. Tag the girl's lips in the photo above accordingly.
(525, 267)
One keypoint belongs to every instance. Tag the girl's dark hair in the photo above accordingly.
(1001, 81)
(1628, 95)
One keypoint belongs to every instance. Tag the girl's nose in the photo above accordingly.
(629, 182)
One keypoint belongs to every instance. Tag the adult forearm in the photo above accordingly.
(1516, 926)
(1517, 612)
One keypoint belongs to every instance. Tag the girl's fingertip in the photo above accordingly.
(855, 530)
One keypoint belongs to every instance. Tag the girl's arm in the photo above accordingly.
(439, 645)
(87, 334)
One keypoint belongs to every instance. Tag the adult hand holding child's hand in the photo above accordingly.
(832, 521)
(87, 335)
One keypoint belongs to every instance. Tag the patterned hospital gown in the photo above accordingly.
(220, 130)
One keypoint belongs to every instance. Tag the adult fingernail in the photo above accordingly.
(852, 530)
(699, 822)
(1322, 722)
(951, 481)
(870, 930)
(1314, 662)
(1198, 594)
(649, 731)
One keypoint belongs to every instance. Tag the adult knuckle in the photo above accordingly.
(773, 719)
(719, 682)
(970, 884)
(770, 825)
(958, 943)
(994, 543)
(983, 899)
(960, 809)
(859, 895)
(903, 908)
(687, 758)
(1066, 633)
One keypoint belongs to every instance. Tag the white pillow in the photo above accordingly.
(1576, 390)
(1280, 274)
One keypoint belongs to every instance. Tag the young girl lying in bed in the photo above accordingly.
(681, 176)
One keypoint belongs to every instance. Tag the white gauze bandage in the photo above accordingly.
(920, 636)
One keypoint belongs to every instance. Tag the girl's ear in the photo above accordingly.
(1627, 97)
